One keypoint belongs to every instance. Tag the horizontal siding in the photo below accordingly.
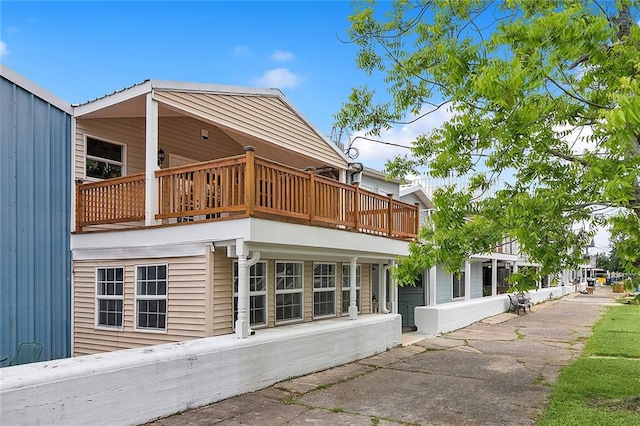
(443, 285)
(186, 306)
(476, 280)
(222, 294)
(265, 117)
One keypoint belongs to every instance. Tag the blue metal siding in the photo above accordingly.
(476, 280)
(35, 189)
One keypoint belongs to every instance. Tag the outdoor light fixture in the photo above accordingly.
(204, 134)
(160, 156)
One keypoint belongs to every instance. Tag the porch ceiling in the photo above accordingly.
(276, 132)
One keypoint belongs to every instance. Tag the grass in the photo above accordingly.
(603, 386)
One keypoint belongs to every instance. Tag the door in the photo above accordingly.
(409, 297)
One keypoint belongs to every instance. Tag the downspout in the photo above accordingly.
(383, 291)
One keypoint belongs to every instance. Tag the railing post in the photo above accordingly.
(390, 215)
(311, 202)
(417, 229)
(249, 179)
(356, 206)
(78, 205)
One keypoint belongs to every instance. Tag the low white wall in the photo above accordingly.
(435, 320)
(138, 385)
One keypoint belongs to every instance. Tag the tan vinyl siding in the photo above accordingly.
(307, 286)
(186, 305)
(179, 135)
(222, 294)
(126, 131)
(264, 117)
(365, 289)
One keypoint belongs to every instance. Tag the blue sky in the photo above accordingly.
(83, 50)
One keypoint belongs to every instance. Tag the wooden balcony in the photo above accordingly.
(244, 186)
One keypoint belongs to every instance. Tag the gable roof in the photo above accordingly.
(262, 113)
(419, 192)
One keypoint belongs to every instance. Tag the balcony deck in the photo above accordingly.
(244, 186)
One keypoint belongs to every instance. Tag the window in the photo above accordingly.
(458, 285)
(288, 291)
(109, 296)
(324, 289)
(151, 297)
(346, 273)
(257, 293)
(105, 160)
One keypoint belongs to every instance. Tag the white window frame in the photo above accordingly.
(122, 163)
(461, 285)
(100, 297)
(164, 297)
(318, 290)
(262, 293)
(347, 289)
(289, 291)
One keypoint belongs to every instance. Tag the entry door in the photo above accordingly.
(409, 297)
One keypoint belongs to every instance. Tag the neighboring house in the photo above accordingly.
(442, 301)
(35, 266)
(205, 210)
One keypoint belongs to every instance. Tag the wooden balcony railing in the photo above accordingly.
(118, 200)
(247, 186)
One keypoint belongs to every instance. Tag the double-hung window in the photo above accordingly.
(109, 296)
(289, 291)
(151, 297)
(324, 289)
(257, 293)
(458, 285)
(346, 287)
(104, 160)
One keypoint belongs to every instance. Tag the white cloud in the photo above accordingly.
(241, 50)
(3, 48)
(12, 29)
(375, 154)
(282, 56)
(281, 78)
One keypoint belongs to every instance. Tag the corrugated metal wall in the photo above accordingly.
(35, 260)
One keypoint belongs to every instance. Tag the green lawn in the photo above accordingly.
(603, 386)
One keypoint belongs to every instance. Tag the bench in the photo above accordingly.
(517, 302)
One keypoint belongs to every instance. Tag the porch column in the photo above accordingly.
(494, 277)
(353, 306)
(467, 281)
(151, 163)
(242, 323)
(432, 286)
(382, 281)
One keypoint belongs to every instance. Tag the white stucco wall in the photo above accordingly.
(435, 320)
(137, 385)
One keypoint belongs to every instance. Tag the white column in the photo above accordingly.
(494, 277)
(151, 162)
(353, 306)
(467, 280)
(242, 323)
(432, 286)
(393, 289)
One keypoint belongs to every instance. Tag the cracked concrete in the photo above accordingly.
(496, 371)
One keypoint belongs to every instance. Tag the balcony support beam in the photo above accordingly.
(151, 162)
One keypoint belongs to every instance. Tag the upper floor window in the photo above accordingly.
(105, 160)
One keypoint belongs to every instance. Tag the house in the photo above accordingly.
(205, 210)
(441, 301)
(35, 266)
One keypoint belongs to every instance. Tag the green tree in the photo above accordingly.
(521, 79)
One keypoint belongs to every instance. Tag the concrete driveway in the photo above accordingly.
(497, 371)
